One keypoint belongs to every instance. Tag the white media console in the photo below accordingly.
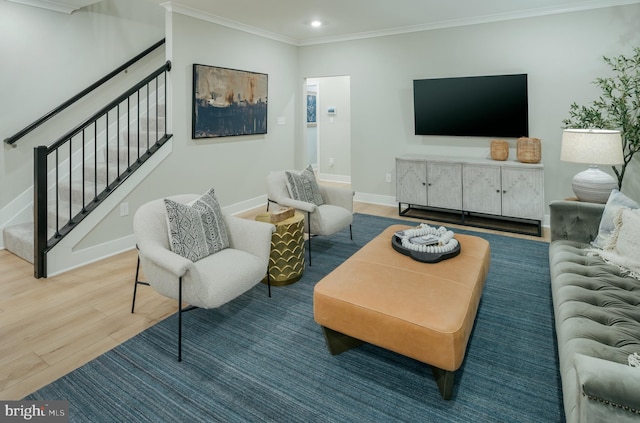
(470, 187)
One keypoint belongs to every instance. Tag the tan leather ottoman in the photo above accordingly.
(421, 310)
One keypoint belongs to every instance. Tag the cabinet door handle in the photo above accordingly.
(504, 192)
(424, 183)
(429, 184)
(498, 191)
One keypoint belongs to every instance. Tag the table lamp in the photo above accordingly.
(594, 147)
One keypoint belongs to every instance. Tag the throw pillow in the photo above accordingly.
(616, 201)
(624, 244)
(196, 230)
(304, 187)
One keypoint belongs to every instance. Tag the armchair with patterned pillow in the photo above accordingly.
(327, 209)
(191, 251)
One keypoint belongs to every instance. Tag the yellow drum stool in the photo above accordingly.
(286, 262)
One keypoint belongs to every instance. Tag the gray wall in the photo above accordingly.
(560, 53)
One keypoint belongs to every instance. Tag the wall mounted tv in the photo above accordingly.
(483, 106)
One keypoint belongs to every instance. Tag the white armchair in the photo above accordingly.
(326, 219)
(206, 283)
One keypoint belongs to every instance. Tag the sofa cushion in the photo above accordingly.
(196, 230)
(616, 201)
(595, 304)
(304, 187)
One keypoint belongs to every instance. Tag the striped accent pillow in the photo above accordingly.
(304, 187)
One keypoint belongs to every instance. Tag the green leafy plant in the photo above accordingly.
(617, 107)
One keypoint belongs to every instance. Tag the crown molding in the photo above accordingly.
(63, 6)
(499, 17)
(199, 14)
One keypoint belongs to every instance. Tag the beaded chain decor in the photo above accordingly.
(445, 240)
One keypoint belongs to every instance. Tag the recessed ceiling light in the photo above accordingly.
(316, 23)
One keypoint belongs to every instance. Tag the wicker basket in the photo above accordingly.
(281, 215)
(499, 150)
(529, 150)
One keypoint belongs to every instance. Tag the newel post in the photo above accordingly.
(40, 211)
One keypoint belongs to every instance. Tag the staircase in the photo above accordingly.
(82, 169)
(75, 193)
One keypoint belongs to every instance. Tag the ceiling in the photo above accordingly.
(289, 20)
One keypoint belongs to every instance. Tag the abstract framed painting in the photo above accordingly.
(228, 102)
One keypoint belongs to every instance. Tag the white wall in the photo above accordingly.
(560, 53)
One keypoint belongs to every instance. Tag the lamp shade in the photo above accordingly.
(591, 146)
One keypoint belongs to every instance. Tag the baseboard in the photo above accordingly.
(327, 177)
(90, 255)
(247, 205)
(382, 200)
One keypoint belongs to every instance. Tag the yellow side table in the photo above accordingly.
(286, 262)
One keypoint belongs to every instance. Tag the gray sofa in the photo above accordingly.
(597, 318)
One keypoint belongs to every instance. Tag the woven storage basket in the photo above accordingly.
(529, 150)
(499, 150)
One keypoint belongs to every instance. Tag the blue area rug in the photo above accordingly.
(264, 359)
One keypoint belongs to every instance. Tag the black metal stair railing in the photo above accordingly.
(81, 169)
(17, 136)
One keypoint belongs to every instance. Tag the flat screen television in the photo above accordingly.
(483, 106)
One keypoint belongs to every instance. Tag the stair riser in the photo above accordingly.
(151, 122)
(125, 156)
(102, 172)
(73, 194)
(142, 138)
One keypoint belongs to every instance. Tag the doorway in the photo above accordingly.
(328, 127)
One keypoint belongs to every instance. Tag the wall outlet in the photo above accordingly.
(124, 209)
(331, 162)
(387, 177)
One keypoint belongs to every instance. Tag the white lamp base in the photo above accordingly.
(593, 185)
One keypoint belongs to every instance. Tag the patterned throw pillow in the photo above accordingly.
(624, 244)
(303, 186)
(616, 201)
(198, 230)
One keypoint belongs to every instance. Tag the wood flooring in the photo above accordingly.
(49, 327)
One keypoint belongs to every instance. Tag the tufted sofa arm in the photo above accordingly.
(609, 390)
(575, 220)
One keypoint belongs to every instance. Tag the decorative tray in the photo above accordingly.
(424, 257)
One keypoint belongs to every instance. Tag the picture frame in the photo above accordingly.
(228, 102)
(311, 109)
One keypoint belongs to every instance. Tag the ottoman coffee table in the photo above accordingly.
(421, 310)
